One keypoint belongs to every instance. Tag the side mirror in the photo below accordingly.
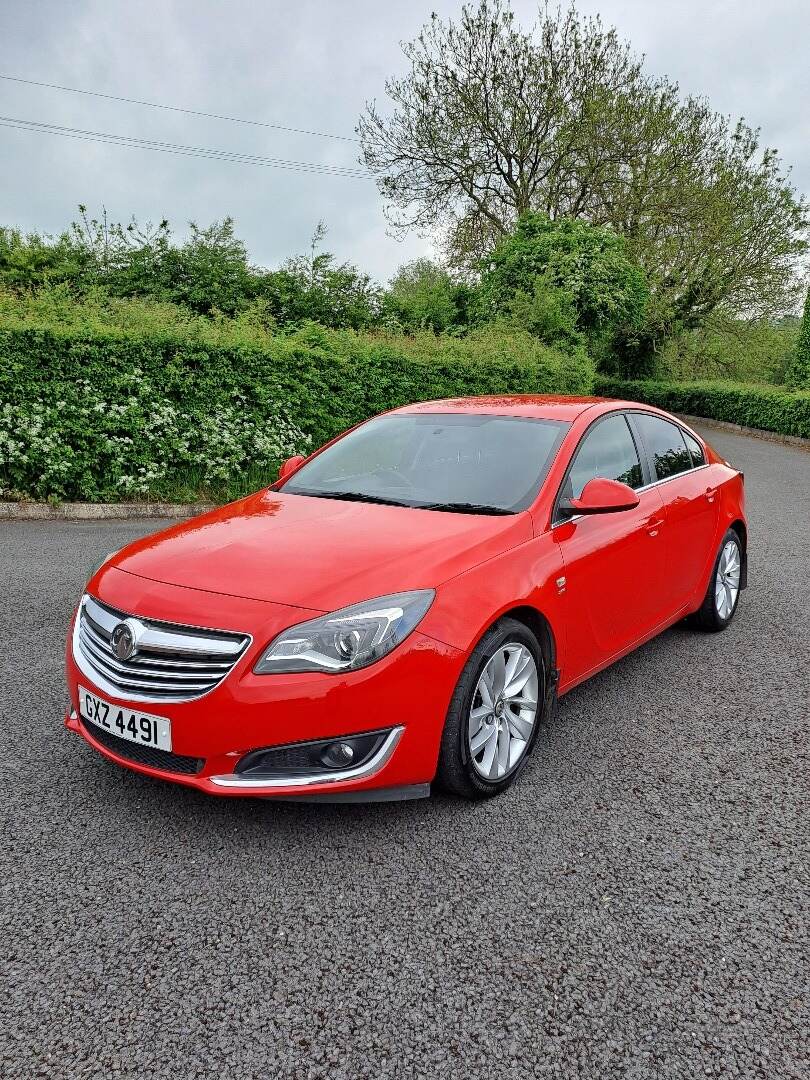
(290, 465)
(600, 496)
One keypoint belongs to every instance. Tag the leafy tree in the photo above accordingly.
(798, 373)
(314, 288)
(125, 259)
(744, 350)
(209, 272)
(492, 122)
(547, 311)
(424, 296)
(337, 296)
(33, 260)
(566, 278)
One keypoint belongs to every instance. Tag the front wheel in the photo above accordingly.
(723, 593)
(494, 713)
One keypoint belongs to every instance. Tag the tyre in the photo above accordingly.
(723, 593)
(494, 714)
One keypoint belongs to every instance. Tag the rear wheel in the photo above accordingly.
(723, 593)
(494, 714)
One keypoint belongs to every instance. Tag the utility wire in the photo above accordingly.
(177, 108)
(135, 143)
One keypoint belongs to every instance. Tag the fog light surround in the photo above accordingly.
(305, 760)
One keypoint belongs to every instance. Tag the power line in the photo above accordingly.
(136, 143)
(133, 142)
(178, 109)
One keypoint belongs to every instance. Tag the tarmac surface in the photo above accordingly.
(638, 905)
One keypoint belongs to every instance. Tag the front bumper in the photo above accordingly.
(407, 693)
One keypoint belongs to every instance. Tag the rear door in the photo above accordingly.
(679, 469)
(614, 563)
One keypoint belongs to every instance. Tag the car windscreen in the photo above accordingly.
(471, 462)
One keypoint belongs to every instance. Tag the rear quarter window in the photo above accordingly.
(695, 449)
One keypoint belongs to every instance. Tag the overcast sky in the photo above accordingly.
(311, 64)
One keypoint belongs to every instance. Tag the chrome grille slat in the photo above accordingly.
(218, 667)
(170, 663)
(101, 616)
(165, 637)
(114, 668)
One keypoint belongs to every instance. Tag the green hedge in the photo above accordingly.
(769, 408)
(107, 413)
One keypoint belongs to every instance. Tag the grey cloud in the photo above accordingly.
(312, 64)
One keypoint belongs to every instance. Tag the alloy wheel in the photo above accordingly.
(503, 711)
(727, 580)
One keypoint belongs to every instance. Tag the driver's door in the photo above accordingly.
(615, 568)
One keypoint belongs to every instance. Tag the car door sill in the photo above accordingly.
(659, 629)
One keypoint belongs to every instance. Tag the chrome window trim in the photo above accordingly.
(675, 476)
(359, 772)
(158, 640)
(683, 430)
(646, 487)
(556, 522)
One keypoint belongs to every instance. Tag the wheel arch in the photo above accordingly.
(533, 619)
(741, 529)
(453, 771)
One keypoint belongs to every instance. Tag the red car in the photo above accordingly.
(406, 604)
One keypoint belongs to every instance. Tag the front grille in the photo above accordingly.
(145, 755)
(169, 662)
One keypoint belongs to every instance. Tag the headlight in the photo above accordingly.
(351, 638)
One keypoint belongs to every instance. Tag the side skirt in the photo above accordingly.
(681, 613)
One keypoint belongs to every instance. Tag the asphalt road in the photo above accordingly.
(636, 906)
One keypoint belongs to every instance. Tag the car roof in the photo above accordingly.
(536, 406)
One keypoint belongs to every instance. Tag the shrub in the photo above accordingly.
(111, 399)
(83, 446)
(423, 296)
(769, 408)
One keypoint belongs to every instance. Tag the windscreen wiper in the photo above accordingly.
(351, 496)
(467, 508)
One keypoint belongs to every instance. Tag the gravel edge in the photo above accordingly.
(78, 511)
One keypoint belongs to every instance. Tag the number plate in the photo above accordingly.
(136, 727)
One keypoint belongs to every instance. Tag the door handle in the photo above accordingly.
(653, 525)
(711, 494)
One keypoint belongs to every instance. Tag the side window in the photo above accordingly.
(695, 449)
(607, 451)
(665, 444)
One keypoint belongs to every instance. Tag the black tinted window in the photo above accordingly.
(424, 459)
(695, 449)
(607, 451)
(665, 444)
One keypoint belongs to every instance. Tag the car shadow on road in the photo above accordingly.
(607, 711)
